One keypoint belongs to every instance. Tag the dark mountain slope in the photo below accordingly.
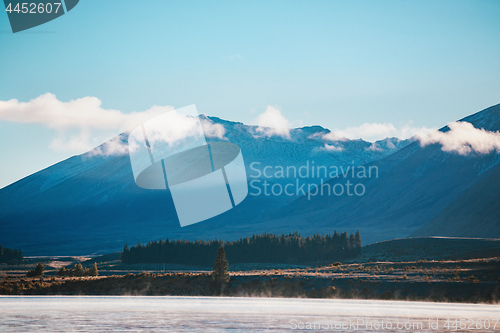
(90, 203)
(475, 213)
(414, 185)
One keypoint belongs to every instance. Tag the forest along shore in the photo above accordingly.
(428, 269)
(474, 281)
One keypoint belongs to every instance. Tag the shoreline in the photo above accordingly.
(248, 297)
(255, 286)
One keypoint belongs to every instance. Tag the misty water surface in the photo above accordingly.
(215, 314)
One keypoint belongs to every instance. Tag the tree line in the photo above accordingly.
(7, 255)
(260, 248)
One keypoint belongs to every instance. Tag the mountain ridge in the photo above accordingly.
(416, 183)
(90, 202)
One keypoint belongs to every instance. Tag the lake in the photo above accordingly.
(240, 314)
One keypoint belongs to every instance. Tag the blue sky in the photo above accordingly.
(337, 64)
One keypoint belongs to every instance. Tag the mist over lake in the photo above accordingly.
(215, 314)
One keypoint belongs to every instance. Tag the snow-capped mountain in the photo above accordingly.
(90, 202)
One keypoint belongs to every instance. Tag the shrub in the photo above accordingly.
(38, 271)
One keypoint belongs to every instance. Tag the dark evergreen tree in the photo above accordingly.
(352, 249)
(37, 272)
(125, 255)
(336, 242)
(9, 255)
(357, 242)
(62, 272)
(220, 274)
(78, 270)
(344, 243)
(93, 271)
(39, 269)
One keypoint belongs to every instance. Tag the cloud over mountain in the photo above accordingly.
(81, 113)
(272, 123)
(376, 131)
(81, 124)
(463, 138)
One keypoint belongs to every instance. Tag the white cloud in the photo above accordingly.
(407, 131)
(115, 146)
(374, 147)
(368, 131)
(272, 122)
(213, 130)
(376, 131)
(464, 138)
(172, 128)
(173, 131)
(331, 136)
(82, 124)
(328, 147)
(81, 113)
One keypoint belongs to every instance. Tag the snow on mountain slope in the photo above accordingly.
(305, 143)
(91, 203)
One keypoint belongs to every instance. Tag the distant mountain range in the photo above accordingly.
(90, 203)
(420, 191)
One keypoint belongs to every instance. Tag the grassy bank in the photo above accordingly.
(476, 280)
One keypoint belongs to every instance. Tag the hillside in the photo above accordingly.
(90, 203)
(475, 213)
(432, 248)
(414, 186)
